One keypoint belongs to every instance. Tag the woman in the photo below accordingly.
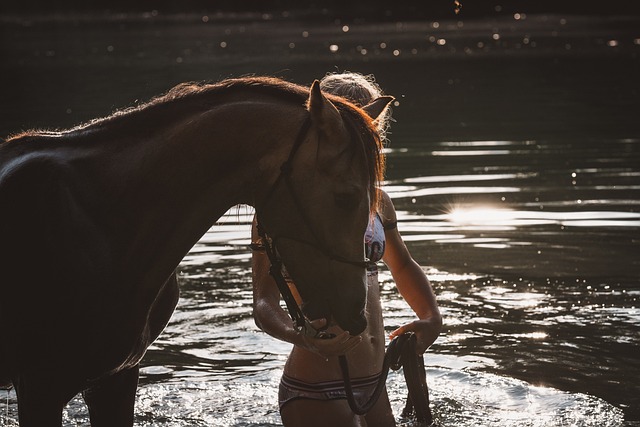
(312, 391)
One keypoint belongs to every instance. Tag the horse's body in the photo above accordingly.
(95, 220)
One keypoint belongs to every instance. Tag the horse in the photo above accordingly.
(94, 221)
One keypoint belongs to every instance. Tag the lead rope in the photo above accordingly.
(401, 352)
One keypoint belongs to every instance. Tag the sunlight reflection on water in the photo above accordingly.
(496, 216)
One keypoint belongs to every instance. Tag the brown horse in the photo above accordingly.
(95, 220)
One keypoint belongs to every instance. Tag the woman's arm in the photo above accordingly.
(412, 283)
(273, 319)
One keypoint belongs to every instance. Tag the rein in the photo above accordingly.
(401, 352)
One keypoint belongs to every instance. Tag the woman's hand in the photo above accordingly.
(426, 330)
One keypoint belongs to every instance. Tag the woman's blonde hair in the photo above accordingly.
(360, 90)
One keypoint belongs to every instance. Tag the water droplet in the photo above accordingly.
(383, 45)
(205, 18)
(396, 52)
(442, 42)
(333, 48)
(305, 34)
(292, 45)
(612, 43)
(223, 44)
(110, 48)
(345, 28)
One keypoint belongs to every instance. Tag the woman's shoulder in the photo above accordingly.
(386, 210)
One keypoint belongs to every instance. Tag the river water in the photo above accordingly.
(514, 165)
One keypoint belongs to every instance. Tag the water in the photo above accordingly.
(514, 167)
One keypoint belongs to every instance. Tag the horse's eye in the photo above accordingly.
(347, 200)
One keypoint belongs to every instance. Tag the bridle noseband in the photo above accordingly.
(269, 241)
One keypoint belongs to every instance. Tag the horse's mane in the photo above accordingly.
(190, 96)
(194, 96)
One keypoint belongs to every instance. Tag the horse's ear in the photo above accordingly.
(375, 108)
(321, 109)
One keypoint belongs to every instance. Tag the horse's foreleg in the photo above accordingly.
(40, 402)
(111, 401)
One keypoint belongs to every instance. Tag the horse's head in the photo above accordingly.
(319, 206)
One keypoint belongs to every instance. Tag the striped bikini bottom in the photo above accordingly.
(291, 389)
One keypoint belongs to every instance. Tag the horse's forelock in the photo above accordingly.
(364, 128)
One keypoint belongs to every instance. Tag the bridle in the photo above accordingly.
(301, 323)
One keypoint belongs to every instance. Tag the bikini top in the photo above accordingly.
(374, 242)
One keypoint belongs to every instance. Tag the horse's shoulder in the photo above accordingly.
(32, 171)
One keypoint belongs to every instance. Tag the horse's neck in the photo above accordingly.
(175, 185)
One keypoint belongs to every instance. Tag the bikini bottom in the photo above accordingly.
(291, 389)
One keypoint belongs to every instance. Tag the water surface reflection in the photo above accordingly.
(514, 167)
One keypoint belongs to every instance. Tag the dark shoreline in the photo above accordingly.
(480, 79)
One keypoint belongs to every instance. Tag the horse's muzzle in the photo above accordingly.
(359, 325)
(355, 325)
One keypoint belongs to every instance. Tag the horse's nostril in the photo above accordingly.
(358, 326)
(355, 324)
